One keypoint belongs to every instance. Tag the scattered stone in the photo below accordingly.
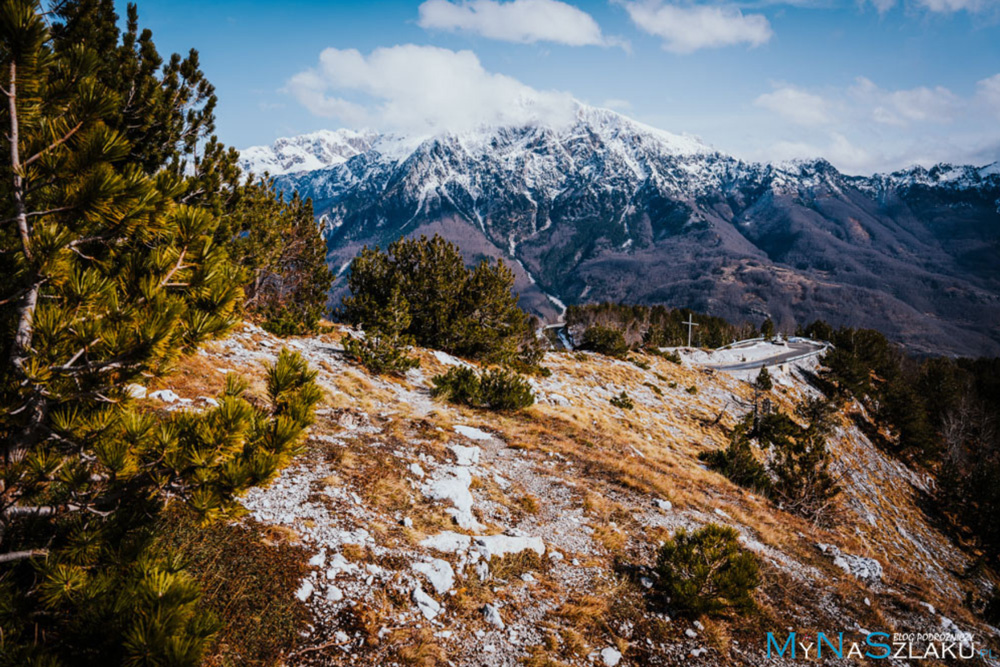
(527, 578)
(447, 541)
(492, 616)
(665, 505)
(483, 570)
(165, 395)
(407, 522)
(417, 470)
(646, 582)
(555, 556)
(698, 625)
(611, 656)
(427, 605)
(319, 560)
(472, 433)
(305, 590)
(135, 390)
(439, 573)
(209, 401)
(334, 594)
(341, 637)
(465, 456)
(690, 633)
(859, 567)
(453, 485)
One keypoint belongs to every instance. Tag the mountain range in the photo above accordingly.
(608, 209)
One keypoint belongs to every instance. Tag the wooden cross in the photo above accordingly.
(690, 325)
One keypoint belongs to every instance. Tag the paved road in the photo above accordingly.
(782, 354)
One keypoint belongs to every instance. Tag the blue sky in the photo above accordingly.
(869, 85)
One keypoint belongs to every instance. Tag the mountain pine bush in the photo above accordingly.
(707, 572)
(494, 389)
(383, 350)
(604, 340)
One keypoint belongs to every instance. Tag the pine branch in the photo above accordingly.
(15, 163)
(53, 145)
(22, 555)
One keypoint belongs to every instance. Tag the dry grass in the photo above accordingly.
(513, 565)
(418, 647)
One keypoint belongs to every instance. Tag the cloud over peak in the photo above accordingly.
(421, 89)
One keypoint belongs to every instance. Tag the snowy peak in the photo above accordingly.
(307, 152)
(614, 132)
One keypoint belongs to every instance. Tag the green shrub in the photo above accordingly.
(605, 340)
(459, 385)
(497, 389)
(656, 390)
(707, 572)
(641, 363)
(692, 390)
(622, 401)
(380, 354)
(797, 474)
(738, 462)
(501, 389)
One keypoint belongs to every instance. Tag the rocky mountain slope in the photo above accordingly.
(610, 209)
(444, 535)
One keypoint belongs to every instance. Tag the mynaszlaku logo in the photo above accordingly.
(877, 646)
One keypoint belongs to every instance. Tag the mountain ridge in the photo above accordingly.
(606, 208)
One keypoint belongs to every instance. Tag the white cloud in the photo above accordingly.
(882, 6)
(951, 6)
(864, 127)
(988, 92)
(796, 105)
(525, 21)
(421, 89)
(836, 148)
(686, 29)
(902, 107)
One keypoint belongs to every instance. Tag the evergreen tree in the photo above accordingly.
(108, 275)
(767, 329)
(165, 113)
(763, 381)
(279, 246)
(472, 313)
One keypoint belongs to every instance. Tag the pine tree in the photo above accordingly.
(279, 246)
(767, 329)
(108, 275)
(469, 312)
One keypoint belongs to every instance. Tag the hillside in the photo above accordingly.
(608, 209)
(444, 535)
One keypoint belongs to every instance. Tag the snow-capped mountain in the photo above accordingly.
(606, 208)
(306, 152)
